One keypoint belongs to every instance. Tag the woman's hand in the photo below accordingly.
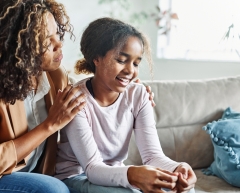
(186, 179)
(151, 94)
(65, 107)
(151, 180)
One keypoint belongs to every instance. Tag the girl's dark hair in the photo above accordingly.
(23, 31)
(103, 35)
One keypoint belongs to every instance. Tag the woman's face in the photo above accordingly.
(53, 55)
(119, 66)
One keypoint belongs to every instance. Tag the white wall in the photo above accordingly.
(82, 12)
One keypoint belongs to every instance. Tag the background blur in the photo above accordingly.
(186, 41)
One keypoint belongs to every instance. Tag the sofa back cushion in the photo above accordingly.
(182, 109)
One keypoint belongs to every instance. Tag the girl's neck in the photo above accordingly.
(102, 95)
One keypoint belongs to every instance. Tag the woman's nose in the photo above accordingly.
(58, 45)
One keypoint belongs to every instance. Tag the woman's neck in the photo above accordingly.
(34, 83)
(104, 96)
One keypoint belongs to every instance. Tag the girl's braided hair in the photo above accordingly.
(22, 33)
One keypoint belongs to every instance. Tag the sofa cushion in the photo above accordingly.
(212, 184)
(182, 108)
(187, 143)
(225, 136)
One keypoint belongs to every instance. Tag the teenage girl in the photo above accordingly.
(95, 143)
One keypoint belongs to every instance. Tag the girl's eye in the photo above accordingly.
(120, 61)
(136, 65)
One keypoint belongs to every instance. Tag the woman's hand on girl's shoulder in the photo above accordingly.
(151, 94)
(65, 107)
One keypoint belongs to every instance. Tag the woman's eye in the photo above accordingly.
(49, 44)
(136, 65)
(58, 36)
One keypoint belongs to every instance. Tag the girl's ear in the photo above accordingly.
(96, 61)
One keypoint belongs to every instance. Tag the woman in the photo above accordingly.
(34, 103)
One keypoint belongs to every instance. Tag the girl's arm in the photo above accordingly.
(146, 135)
(158, 168)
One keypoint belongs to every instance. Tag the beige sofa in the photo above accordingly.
(182, 109)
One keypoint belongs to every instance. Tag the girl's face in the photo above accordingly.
(53, 56)
(119, 67)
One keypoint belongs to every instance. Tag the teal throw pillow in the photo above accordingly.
(225, 136)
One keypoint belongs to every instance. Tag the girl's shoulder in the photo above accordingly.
(81, 82)
(135, 88)
(135, 92)
(82, 86)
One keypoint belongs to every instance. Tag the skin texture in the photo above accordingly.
(114, 72)
(65, 106)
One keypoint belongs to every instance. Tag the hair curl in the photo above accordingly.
(23, 31)
(103, 35)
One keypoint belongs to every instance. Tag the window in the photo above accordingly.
(199, 30)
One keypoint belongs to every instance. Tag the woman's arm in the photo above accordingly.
(62, 111)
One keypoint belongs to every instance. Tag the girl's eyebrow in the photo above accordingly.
(127, 55)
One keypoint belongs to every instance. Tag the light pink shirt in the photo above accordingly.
(96, 141)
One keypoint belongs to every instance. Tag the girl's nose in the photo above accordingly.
(129, 68)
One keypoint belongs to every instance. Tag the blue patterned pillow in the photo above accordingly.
(225, 135)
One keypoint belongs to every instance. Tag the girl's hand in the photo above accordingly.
(186, 179)
(151, 180)
(151, 94)
(65, 107)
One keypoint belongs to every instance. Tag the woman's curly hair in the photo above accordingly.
(22, 34)
(103, 35)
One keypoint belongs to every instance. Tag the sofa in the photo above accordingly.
(182, 109)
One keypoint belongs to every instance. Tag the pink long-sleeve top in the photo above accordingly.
(96, 141)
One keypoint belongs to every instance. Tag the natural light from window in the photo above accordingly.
(203, 30)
